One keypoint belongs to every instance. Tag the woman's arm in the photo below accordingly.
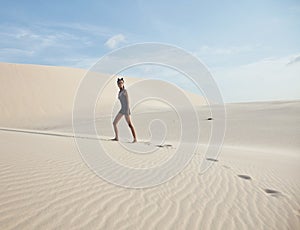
(127, 100)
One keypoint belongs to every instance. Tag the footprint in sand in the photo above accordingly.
(272, 192)
(225, 166)
(246, 177)
(212, 159)
(164, 146)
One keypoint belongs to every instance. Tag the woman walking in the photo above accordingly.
(125, 110)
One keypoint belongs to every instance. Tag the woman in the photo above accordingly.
(123, 97)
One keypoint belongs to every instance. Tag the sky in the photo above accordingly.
(251, 47)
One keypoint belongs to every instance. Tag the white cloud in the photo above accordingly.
(38, 38)
(114, 41)
(11, 52)
(88, 29)
(208, 50)
(228, 55)
(37, 44)
(268, 79)
(295, 60)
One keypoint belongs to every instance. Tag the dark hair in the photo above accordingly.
(120, 79)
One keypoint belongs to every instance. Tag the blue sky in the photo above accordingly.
(251, 47)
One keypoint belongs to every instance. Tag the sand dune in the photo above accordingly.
(40, 97)
(45, 184)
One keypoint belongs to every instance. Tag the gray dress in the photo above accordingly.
(124, 102)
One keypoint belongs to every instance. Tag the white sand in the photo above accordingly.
(44, 183)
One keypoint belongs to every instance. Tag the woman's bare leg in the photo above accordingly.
(115, 123)
(127, 117)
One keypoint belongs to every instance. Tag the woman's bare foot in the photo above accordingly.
(134, 141)
(115, 139)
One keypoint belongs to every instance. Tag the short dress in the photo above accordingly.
(124, 102)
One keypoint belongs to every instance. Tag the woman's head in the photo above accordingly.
(120, 83)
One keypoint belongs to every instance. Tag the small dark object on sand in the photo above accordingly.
(209, 119)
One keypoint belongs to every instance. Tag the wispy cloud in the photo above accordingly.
(294, 60)
(87, 29)
(205, 50)
(49, 45)
(115, 41)
(11, 52)
(216, 56)
(268, 79)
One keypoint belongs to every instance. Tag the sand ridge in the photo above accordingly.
(45, 184)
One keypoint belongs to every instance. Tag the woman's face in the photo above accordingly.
(120, 84)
